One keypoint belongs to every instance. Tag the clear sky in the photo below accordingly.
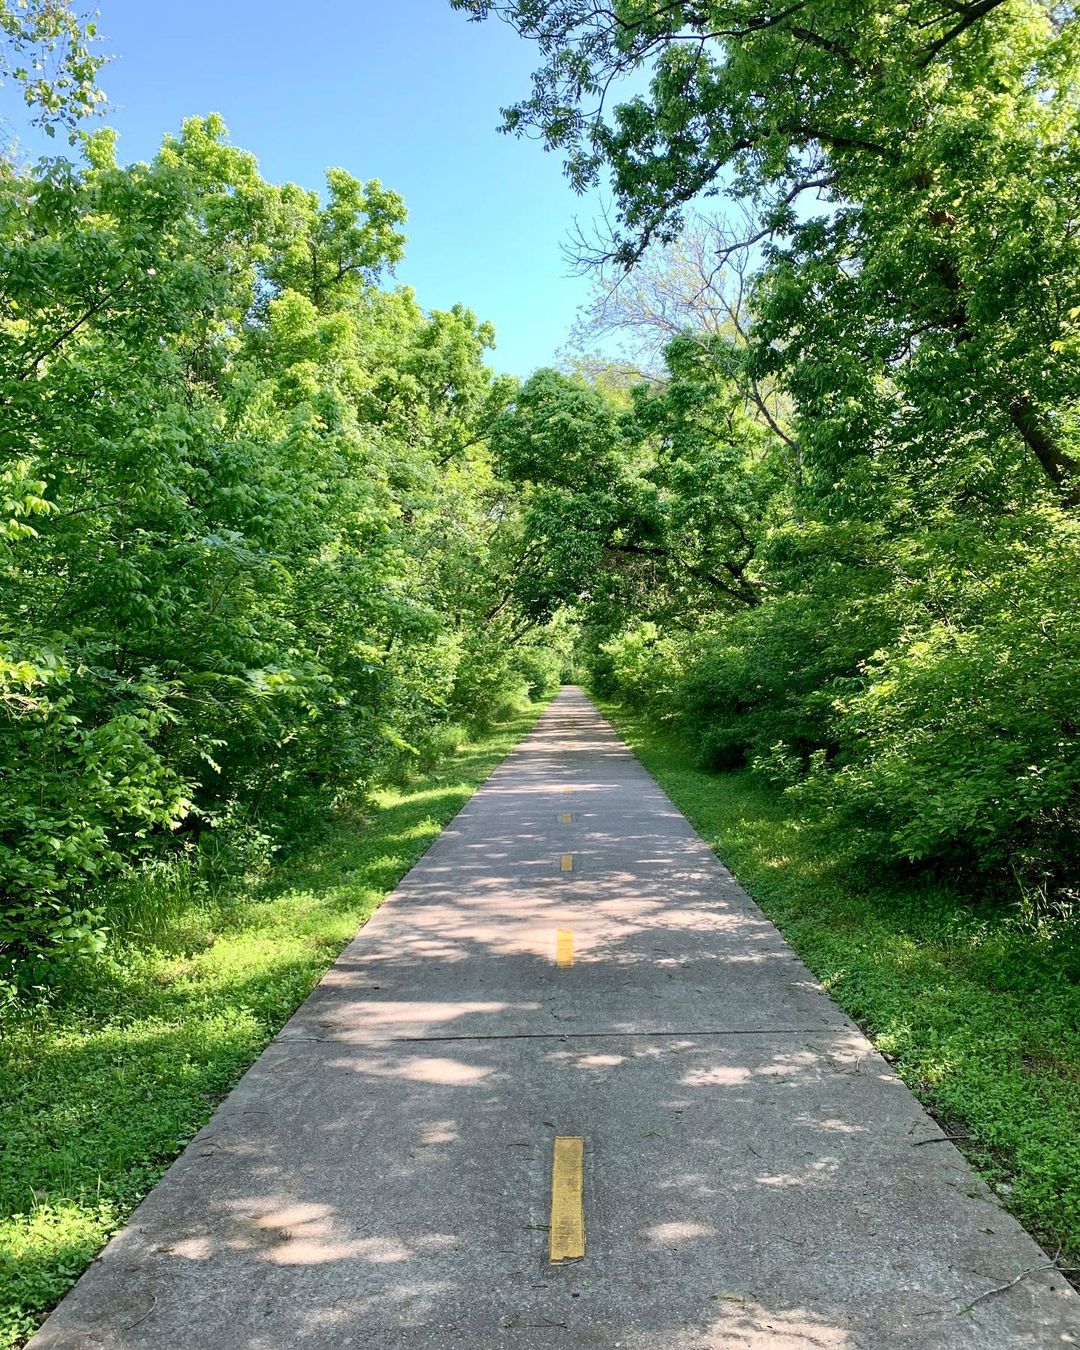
(407, 91)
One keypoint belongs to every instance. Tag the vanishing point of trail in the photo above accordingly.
(569, 1087)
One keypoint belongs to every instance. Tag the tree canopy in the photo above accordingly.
(864, 583)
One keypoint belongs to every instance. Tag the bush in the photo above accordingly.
(494, 681)
(637, 666)
(541, 669)
(79, 793)
(962, 745)
(250, 531)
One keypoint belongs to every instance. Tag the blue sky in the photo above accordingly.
(408, 92)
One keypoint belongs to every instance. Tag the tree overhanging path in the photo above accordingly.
(754, 1173)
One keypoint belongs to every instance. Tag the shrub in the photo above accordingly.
(962, 746)
(638, 666)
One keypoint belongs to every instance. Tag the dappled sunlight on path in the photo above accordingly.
(752, 1170)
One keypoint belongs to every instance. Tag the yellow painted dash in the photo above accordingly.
(566, 817)
(567, 863)
(566, 1236)
(564, 947)
(568, 790)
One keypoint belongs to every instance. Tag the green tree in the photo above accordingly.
(944, 140)
(47, 49)
(651, 509)
(251, 529)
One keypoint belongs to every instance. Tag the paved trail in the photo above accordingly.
(751, 1174)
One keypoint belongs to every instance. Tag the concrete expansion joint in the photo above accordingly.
(603, 1035)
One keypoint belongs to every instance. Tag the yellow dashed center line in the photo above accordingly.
(568, 790)
(564, 947)
(566, 1236)
(566, 817)
(567, 862)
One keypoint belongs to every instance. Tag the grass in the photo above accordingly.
(978, 1009)
(101, 1088)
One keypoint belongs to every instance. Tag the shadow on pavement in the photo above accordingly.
(755, 1174)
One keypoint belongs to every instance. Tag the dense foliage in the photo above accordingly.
(252, 548)
(873, 596)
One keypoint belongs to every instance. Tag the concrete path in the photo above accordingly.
(753, 1174)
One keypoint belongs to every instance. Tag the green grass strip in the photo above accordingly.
(978, 1010)
(101, 1090)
